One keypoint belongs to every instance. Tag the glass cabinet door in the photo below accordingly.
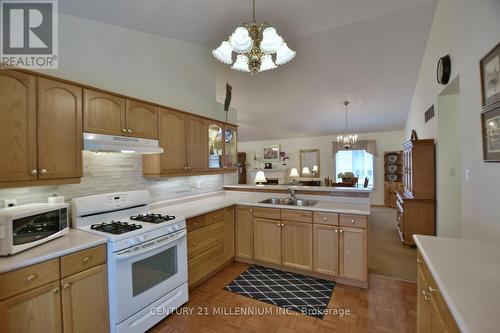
(231, 153)
(215, 146)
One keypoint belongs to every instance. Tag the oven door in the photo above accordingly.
(144, 273)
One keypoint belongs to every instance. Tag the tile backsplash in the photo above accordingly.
(112, 172)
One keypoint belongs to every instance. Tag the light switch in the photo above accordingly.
(198, 184)
(467, 175)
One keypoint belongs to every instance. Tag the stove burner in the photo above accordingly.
(115, 227)
(152, 218)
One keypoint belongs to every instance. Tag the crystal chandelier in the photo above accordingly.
(347, 141)
(254, 45)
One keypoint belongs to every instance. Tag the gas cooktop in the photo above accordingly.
(115, 227)
(152, 218)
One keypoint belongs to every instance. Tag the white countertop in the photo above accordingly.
(194, 206)
(74, 241)
(303, 188)
(467, 274)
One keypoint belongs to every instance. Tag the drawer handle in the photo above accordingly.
(67, 285)
(86, 259)
(352, 221)
(325, 218)
(31, 277)
(215, 217)
(425, 295)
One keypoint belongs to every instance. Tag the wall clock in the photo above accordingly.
(443, 70)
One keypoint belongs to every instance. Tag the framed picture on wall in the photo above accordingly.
(490, 76)
(490, 122)
(271, 153)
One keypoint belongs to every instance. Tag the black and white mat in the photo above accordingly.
(292, 291)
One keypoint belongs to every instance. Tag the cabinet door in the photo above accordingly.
(267, 240)
(230, 147)
(196, 144)
(296, 243)
(353, 253)
(244, 232)
(141, 120)
(38, 310)
(59, 130)
(229, 233)
(326, 249)
(103, 113)
(85, 301)
(17, 126)
(215, 145)
(423, 305)
(172, 137)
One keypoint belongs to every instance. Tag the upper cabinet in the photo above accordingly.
(141, 120)
(196, 143)
(172, 138)
(59, 130)
(108, 114)
(41, 130)
(17, 126)
(103, 113)
(230, 147)
(215, 145)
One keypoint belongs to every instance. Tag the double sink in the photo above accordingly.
(289, 202)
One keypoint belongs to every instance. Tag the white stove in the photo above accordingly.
(147, 257)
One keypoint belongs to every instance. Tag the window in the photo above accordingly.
(358, 162)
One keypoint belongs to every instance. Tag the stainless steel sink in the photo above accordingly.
(289, 202)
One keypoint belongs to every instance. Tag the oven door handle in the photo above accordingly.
(160, 243)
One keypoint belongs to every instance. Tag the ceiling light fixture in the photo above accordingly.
(347, 141)
(255, 44)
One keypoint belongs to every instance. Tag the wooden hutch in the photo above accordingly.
(393, 175)
(416, 202)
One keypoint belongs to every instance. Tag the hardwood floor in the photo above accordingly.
(387, 306)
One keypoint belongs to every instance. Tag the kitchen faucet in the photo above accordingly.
(292, 193)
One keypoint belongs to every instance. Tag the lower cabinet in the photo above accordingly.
(326, 249)
(267, 240)
(244, 232)
(40, 298)
(433, 315)
(297, 245)
(85, 301)
(353, 253)
(229, 233)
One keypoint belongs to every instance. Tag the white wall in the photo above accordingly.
(466, 30)
(385, 141)
(137, 64)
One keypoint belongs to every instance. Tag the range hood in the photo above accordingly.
(123, 144)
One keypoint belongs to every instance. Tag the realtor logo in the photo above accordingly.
(29, 34)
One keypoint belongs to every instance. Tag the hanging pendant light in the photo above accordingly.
(255, 46)
(347, 141)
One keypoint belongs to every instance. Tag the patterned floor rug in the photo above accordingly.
(300, 293)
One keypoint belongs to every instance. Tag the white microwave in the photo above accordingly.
(23, 227)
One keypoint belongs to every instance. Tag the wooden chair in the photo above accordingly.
(328, 182)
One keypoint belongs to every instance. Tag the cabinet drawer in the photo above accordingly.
(267, 213)
(296, 215)
(20, 280)
(214, 216)
(205, 238)
(357, 221)
(207, 262)
(326, 218)
(195, 223)
(83, 260)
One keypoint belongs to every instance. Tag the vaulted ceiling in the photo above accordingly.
(367, 51)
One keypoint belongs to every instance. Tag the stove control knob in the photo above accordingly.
(141, 239)
(169, 229)
(131, 241)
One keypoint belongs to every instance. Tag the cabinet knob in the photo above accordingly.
(86, 259)
(352, 221)
(124, 130)
(195, 244)
(66, 286)
(431, 290)
(185, 168)
(31, 277)
(325, 218)
(55, 290)
(425, 295)
(216, 258)
(251, 211)
(43, 171)
(419, 261)
(336, 231)
(189, 167)
(34, 172)
(129, 131)
(341, 231)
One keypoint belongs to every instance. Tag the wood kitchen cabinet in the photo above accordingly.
(297, 245)
(41, 130)
(230, 147)
(229, 230)
(85, 301)
(267, 240)
(41, 298)
(326, 249)
(244, 232)
(196, 143)
(141, 119)
(103, 113)
(59, 130)
(353, 253)
(215, 146)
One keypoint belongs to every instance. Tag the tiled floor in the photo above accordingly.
(387, 306)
